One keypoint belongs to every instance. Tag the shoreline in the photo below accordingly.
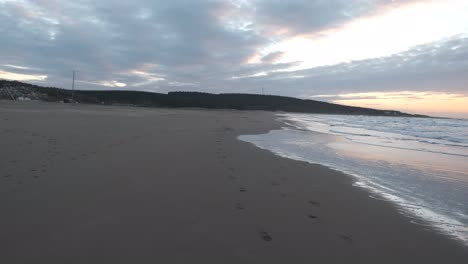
(420, 215)
(177, 185)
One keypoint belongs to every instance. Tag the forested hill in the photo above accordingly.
(14, 89)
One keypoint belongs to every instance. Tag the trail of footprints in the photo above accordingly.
(52, 152)
(233, 177)
(30, 138)
(48, 156)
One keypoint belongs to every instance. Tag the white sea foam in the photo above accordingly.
(420, 164)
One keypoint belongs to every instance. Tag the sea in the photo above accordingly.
(420, 164)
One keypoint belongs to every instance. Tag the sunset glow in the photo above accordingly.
(416, 102)
(388, 32)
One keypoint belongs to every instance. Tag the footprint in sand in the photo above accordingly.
(275, 183)
(312, 216)
(315, 203)
(265, 236)
(242, 189)
(347, 238)
(239, 206)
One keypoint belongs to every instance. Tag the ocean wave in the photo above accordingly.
(432, 135)
(421, 164)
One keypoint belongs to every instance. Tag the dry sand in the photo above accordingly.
(96, 184)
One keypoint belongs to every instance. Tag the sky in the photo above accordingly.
(407, 55)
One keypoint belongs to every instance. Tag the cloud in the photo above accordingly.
(209, 45)
(303, 17)
(436, 66)
(21, 77)
(16, 67)
(187, 39)
(298, 17)
(272, 57)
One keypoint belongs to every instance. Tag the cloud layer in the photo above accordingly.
(214, 46)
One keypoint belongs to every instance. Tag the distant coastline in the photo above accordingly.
(15, 90)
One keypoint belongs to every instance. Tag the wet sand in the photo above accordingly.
(100, 184)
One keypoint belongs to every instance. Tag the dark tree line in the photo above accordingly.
(203, 100)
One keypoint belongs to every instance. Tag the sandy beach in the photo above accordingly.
(106, 184)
